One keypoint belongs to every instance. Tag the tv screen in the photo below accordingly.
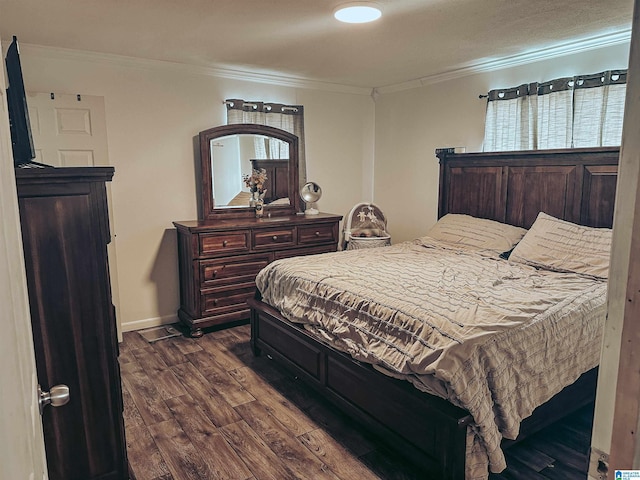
(21, 139)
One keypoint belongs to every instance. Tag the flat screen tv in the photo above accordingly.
(21, 139)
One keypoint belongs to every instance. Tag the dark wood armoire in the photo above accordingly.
(65, 232)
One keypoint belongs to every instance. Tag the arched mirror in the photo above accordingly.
(234, 156)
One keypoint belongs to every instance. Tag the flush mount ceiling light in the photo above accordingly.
(358, 12)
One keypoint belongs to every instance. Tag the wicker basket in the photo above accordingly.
(365, 227)
(356, 243)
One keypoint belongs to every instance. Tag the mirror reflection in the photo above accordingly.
(242, 163)
(248, 167)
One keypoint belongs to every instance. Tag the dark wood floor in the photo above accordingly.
(207, 409)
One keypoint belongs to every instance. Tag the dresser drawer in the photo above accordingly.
(225, 300)
(317, 234)
(281, 237)
(224, 242)
(231, 269)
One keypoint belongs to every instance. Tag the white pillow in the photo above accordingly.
(465, 231)
(555, 244)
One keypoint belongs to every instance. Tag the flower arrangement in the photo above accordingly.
(255, 182)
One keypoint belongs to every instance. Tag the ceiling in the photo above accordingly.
(415, 39)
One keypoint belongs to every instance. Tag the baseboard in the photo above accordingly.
(149, 322)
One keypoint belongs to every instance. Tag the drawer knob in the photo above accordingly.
(215, 272)
(274, 238)
(224, 243)
(317, 234)
(215, 302)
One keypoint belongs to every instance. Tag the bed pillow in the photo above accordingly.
(467, 232)
(555, 244)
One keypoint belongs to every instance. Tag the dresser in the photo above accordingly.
(219, 260)
(65, 232)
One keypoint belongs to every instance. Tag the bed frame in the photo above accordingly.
(512, 187)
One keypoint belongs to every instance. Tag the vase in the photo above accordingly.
(259, 208)
(254, 198)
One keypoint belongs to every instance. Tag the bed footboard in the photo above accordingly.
(386, 406)
(389, 407)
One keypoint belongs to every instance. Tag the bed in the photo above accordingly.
(447, 407)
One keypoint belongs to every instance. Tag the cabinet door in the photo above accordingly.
(64, 231)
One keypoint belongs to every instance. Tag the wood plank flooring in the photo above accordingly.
(208, 409)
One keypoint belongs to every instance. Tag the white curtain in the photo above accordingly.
(582, 111)
(270, 148)
(555, 114)
(285, 117)
(517, 109)
(599, 108)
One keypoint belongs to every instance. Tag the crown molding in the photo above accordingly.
(220, 72)
(569, 48)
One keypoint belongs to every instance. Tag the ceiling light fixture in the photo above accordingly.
(358, 12)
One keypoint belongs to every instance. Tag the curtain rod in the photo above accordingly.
(608, 77)
(267, 106)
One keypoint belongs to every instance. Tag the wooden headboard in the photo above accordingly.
(277, 184)
(577, 185)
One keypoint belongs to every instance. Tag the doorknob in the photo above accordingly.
(57, 397)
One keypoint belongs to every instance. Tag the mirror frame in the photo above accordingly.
(209, 212)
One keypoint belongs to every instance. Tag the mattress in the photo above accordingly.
(493, 337)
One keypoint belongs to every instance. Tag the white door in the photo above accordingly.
(71, 131)
(22, 454)
(68, 130)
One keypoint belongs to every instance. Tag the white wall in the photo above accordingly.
(339, 147)
(226, 168)
(153, 114)
(22, 454)
(411, 124)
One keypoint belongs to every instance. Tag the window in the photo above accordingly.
(284, 117)
(581, 111)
